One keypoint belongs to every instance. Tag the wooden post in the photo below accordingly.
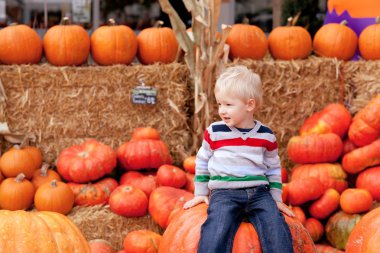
(277, 12)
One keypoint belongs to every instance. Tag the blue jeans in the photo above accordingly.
(226, 211)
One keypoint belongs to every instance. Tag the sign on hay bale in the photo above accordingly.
(64, 106)
(99, 222)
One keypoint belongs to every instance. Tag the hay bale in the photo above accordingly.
(99, 222)
(64, 106)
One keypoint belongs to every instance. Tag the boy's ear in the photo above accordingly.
(251, 104)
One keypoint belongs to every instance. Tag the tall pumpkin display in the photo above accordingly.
(247, 42)
(157, 44)
(335, 40)
(20, 44)
(40, 232)
(290, 42)
(184, 232)
(86, 162)
(66, 45)
(113, 44)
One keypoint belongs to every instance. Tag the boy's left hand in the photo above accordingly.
(285, 209)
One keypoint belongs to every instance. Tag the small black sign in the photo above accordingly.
(144, 95)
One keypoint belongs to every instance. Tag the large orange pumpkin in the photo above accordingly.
(315, 148)
(66, 44)
(113, 44)
(365, 127)
(335, 40)
(183, 233)
(20, 45)
(331, 175)
(86, 162)
(157, 44)
(247, 42)
(365, 237)
(369, 42)
(289, 42)
(369, 180)
(334, 118)
(40, 232)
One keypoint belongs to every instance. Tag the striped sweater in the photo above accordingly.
(229, 158)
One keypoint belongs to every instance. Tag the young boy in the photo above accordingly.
(239, 163)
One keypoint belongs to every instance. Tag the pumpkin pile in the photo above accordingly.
(335, 181)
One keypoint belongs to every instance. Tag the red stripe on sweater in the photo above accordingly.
(251, 142)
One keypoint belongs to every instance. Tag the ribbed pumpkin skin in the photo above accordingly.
(361, 158)
(157, 44)
(339, 227)
(334, 118)
(113, 45)
(369, 42)
(369, 180)
(316, 148)
(365, 237)
(20, 45)
(183, 233)
(39, 232)
(66, 45)
(365, 127)
(247, 42)
(290, 42)
(331, 175)
(335, 40)
(86, 162)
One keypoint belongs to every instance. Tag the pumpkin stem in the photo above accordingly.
(344, 22)
(65, 21)
(128, 188)
(20, 177)
(377, 20)
(111, 22)
(17, 147)
(53, 183)
(290, 19)
(158, 23)
(245, 21)
(44, 169)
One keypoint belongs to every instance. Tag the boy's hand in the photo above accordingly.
(285, 209)
(195, 201)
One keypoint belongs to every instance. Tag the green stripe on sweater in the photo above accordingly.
(275, 185)
(246, 178)
(201, 178)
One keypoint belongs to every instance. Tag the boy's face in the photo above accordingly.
(235, 111)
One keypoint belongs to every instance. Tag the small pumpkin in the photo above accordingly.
(369, 180)
(299, 214)
(20, 44)
(247, 42)
(369, 41)
(128, 201)
(42, 232)
(315, 229)
(66, 45)
(324, 248)
(143, 133)
(290, 42)
(54, 196)
(190, 187)
(100, 246)
(189, 164)
(325, 205)
(169, 175)
(302, 191)
(157, 44)
(20, 159)
(355, 200)
(16, 193)
(44, 175)
(142, 241)
(113, 44)
(335, 41)
(86, 162)
(147, 183)
(339, 227)
(361, 158)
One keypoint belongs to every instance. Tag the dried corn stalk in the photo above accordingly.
(205, 55)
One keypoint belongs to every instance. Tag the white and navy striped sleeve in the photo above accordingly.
(273, 172)
(202, 175)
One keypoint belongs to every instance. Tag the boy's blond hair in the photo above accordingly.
(242, 82)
